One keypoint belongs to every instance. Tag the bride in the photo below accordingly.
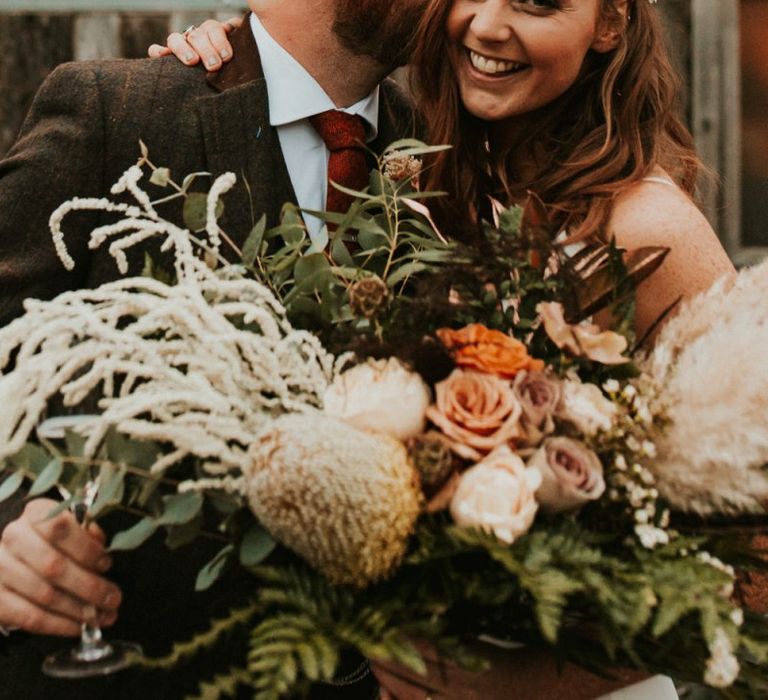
(575, 101)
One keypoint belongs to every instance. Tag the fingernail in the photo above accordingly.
(90, 614)
(212, 61)
(104, 563)
(189, 57)
(112, 599)
(225, 54)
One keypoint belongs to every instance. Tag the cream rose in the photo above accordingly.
(586, 407)
(477, 412)
(380, 396)
(571, 475)
(497, 495)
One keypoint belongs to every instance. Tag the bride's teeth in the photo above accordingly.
(489, 65)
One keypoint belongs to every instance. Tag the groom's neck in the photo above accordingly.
(305, 29)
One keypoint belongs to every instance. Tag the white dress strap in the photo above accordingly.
(659, 180)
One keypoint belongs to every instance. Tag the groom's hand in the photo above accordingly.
(51, 574)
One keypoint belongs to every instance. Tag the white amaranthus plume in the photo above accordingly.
(711, 365)
(170, 363)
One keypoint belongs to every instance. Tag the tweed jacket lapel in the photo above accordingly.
(238, 138)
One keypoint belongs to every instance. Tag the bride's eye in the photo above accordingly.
(538, 4)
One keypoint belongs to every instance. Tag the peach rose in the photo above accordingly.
(494, 352)
(572, 475)
(477, 412)
(583, 339)
(498, 496)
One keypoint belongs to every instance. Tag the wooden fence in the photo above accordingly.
(36, 35)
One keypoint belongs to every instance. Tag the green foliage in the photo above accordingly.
(223, 684)
(185, 651)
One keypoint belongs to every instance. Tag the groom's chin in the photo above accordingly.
(382, 30)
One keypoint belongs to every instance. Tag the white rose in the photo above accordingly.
(497, 495)
(380, 396)
(586, 407)
(571, 475)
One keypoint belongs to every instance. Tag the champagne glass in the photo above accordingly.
(93, 656)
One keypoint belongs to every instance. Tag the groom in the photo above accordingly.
(294, 60)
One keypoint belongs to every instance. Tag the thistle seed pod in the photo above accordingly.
(433, 459)
(344, 500)
(368, 297)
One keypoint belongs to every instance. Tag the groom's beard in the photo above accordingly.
(381, 29)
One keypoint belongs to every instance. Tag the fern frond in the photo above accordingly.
(223, 684)
(205, 640)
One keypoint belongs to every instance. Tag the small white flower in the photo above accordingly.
(737, 617)
(650, 536)
(723, 666)
(612, 386)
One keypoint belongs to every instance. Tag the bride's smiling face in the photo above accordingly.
(513, 57)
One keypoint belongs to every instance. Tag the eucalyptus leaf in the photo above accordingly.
(256, 546)
(189, 179)
(195, 212)
(211, 572)
(111, 488)
(48, 478)
(132, 453)
(75, 443)
(160, 177)
(135, 536)
(11, 485)
(180, 508)
(31, 458)
(340, 253)
(253, 244)
(180, 535)
(405, 271)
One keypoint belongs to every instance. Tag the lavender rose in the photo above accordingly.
(572, 475)
(539, 396)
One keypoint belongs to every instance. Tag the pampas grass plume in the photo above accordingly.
(711, 362)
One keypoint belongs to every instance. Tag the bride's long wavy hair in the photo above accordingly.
(618, 121)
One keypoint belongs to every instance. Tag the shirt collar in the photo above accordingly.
(294, 94)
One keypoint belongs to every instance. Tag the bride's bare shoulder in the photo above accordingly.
(656, 212)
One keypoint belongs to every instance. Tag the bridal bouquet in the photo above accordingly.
(405, 438)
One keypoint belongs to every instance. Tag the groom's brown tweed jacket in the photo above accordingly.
(82, 133)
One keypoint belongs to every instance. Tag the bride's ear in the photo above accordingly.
(611, 26)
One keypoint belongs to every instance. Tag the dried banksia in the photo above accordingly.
(433, 459)
(344, 500)
(368, 297)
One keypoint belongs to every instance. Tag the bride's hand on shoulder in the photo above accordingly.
(208, 43)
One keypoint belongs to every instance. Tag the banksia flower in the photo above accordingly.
(344, 500)
(433, 459)
(368, 297)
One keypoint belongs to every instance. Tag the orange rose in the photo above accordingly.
(488, 351)
(477, 412)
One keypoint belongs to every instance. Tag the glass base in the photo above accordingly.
(87, 661)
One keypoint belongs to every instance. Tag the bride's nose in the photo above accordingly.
(491, 21)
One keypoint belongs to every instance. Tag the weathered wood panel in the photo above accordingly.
(30, 46)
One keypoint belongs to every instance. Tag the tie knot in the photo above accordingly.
(339, 130)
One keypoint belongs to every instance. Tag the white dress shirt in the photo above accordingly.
(294, 96)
